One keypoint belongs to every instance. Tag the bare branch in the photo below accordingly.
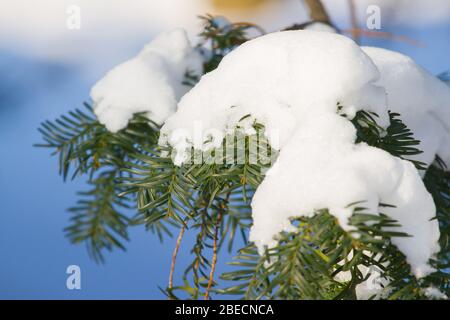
(317, 11)
(214, 259)
(174, 255)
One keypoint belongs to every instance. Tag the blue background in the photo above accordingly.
(34, 253)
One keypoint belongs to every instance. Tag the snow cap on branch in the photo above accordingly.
(151, 82)
(292, 82)
(422, 100)
(274, 78)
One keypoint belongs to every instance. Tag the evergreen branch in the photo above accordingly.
(86, 145)
(445, 76)
(210, 181)
(437, 182)
(199, 265)
(215, 196)
(397, 139)
(96, 219)
(80, 140)
(237, 219)
(221, 38)
(164, 191)
(252, 276)
(305, 263)
(66, 133)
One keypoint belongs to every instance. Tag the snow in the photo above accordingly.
(435, 293)
(245, 81)
(375, 286)
(151, 82)
(320, 26)
(291, 82)
(422, 100)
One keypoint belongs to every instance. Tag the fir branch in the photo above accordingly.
(67, 132)
(82, 142)
(397, 139)
(200, 264)
(305, 263)
(96, 218)
(215, 199)
(85, 146)
(252, 276)
(437, 182)
(164, 191)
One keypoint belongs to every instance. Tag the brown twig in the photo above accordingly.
(174, 255)
(317, 11)
(214, 258)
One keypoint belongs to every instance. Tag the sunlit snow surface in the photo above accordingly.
(152, 82)
(291, 82)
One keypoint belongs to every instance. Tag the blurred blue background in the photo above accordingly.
(34, 253)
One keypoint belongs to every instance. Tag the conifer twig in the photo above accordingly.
(214, 259)
(317, 11)
(251, 25)
(174, 255)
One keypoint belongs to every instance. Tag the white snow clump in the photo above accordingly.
(151, 82)
(422, 100)
(435, 294)
(291, 82)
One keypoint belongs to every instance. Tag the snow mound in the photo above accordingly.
(291, 82)
(151, 82)
(422, 100)
(275, 78)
